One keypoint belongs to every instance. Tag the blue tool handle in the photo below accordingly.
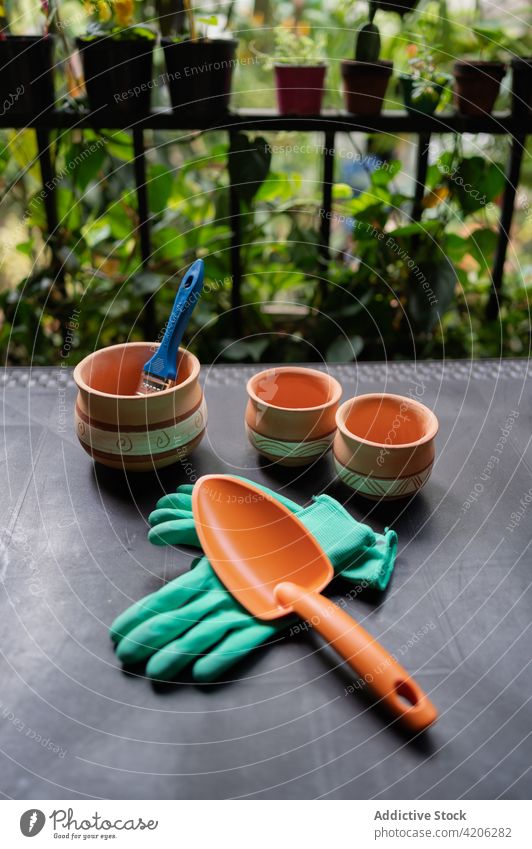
(164, 362)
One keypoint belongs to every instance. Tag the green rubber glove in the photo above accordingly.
(191, 620)
(194, 620)
(356, 552)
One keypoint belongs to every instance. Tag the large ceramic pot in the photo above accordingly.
(118, 74)
(26, 81)
(290, 416)
(384, 446)
(476, 86)
(199, 74)
(365, 85)
(137, 433)
(299, 88)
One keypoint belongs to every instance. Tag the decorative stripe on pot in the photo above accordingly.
(382, 487)
(136, 428)
(144, 442)
(282, 448)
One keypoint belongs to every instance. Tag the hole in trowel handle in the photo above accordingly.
(406, 694)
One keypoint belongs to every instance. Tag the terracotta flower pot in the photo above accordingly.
(26, 81)
(299, 88)
(384, 445)
(200, 73)
(136, 433)
(476, 86)
(118, 74)
(522, 86)
(290, 416)
(365, 85)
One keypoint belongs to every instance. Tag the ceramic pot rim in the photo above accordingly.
(337, 394)
(297, 66)
(344, 410)
(80, 383)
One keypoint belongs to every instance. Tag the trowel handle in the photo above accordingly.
(379, 670)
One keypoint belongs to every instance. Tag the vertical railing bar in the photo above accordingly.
(326, 210)
(48, 182)
(505, 223)
(141, 186)
(50, 207)
(326, 193)
(236, 259)
(422, 162)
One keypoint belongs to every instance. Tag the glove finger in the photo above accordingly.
(167, 514)
(235, 646)
(185, 489)
(373, 566)
(175, 594)
(176, 501)
(167, 663)
(178, 532)
(158, 631)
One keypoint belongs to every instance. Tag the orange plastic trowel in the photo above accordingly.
(273, 566)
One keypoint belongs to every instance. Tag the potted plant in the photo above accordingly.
(423, 87)
(366, 77)
(200, 69)
(477, 81)
(117, 57)
(299, 66)
(26, 81)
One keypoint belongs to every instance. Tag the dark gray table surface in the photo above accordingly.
(458, 612)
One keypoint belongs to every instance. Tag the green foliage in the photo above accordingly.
(248, 164)
(393, 287)
(491, 39)
(292, 48)
(473, 181)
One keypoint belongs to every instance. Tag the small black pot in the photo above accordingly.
(522, 86)
(26, 75)
(200, 73)
(118, 74)
(428, 102)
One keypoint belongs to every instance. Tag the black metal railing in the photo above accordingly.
(329, 123)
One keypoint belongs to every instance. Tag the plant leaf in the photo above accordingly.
(249, 164)
(344, 349)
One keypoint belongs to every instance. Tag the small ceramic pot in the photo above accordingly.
(27, 82)
(118, 74)
(522, 86)
(364, 85)
(200, 74)
(290, 416)
(384, 445)
(137, 433)
(477, 86)
(299, 88)
(429, 100)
